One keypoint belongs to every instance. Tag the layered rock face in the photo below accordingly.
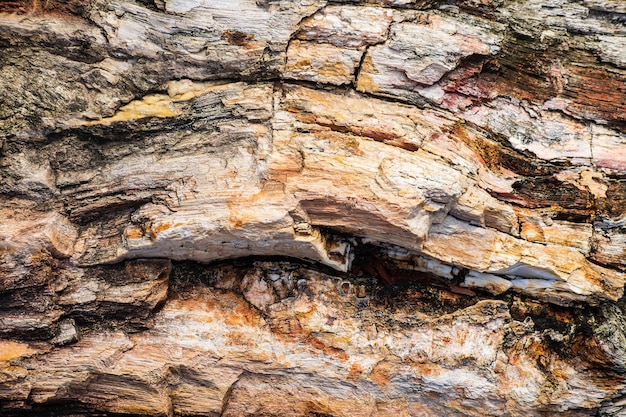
(311, 208)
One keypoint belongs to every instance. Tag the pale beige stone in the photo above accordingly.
(609, 149)
(347, 26)
(320, 62)
(558, 232)
(423, 52)
(548, 135)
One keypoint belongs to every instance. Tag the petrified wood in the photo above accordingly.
(313, 208)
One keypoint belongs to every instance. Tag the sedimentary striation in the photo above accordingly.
(307, 208)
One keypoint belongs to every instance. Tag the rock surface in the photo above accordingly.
(306, 208)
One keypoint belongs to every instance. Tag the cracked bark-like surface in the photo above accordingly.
(306, 208)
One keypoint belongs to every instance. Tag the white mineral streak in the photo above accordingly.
(548, 135)
(347, 26)
(609, 148)
(419, 53)
(489, 282)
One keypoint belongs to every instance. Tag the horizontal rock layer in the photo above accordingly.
(474, 149)
(275, 338)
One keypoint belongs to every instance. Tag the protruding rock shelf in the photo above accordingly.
(305, 208)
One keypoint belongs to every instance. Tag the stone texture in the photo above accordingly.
(398, 207)
(318, 348)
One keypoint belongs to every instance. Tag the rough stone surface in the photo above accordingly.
(307, 208)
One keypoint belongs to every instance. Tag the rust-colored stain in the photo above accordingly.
(378, 135)
(484, 152)
(355, 372)
(288, 329)
(590, 350)
(339, 141)
(533, 348)
(206, 303)
(133, 233)
(334, 70)
(241, 315)
(444, 296)
(161, 227)
(381, 374)
(11, 350)
(531, 231)
(596, 92)
(235, 37)
(327, 350)
(365, 81)
(235, 218)
(460, 335)
(461, 291)
(302, 63)
(515, 359)
(303, 117)
(239, 339)
(428, 369)
(60, 8)
(244, 208)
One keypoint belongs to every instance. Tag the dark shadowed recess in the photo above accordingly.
(391, 286)
(388, 284)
